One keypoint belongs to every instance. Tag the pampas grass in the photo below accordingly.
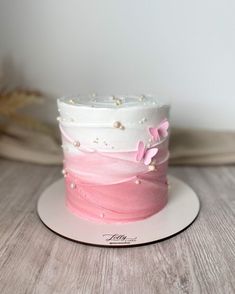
(11, 104)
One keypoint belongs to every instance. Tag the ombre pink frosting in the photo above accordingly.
(114, 187)
(115, 156)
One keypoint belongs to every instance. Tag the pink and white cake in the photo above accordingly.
(115, 156)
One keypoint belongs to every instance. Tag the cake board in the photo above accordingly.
(181, 210)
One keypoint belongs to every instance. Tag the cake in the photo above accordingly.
(115, 156)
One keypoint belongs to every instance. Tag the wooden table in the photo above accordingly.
(35, 260)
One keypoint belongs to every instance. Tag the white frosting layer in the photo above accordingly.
(91, 121)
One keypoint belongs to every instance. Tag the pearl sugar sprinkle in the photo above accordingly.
(76, 144)
(71, 101)
(151, 167)
(118, 125)
(141, 98)
(64, 172)
(118, 102)
(144, 119)
(72, 185)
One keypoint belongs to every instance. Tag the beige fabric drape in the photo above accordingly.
(25, 145)
(187, 147)
(201, 147)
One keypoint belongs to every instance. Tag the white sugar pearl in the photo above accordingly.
(76, 144)
(64, 172)
(118, 102)
(137, 182)
(151, 167)
(117, 124)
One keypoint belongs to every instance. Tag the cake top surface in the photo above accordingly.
(114, 101)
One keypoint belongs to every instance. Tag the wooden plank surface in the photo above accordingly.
(34, 260)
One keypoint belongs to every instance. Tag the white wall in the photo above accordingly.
(181, 49)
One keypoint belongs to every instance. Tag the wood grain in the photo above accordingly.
(34, 260)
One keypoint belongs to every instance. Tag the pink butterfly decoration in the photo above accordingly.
(160, 131)
(145, 154)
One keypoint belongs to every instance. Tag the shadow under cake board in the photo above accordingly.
(181, 210)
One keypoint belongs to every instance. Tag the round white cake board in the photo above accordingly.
(181, 210)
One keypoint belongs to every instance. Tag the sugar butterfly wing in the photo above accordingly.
(163, 128)
(154, 133)
(141, 151)
(149, 154)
